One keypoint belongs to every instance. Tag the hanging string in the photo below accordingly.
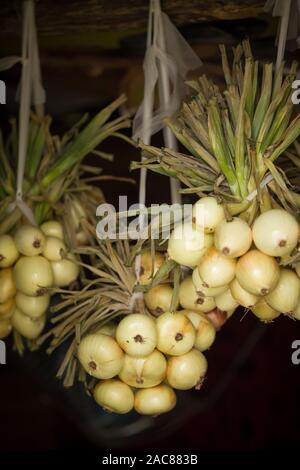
(31, 89)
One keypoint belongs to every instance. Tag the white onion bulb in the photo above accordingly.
(233, 238)
(7, 285)
(215, 269)
(28, 327)
(207, 213)
(34, 307)
(100, 356)
(107, 329)
(159, 298)
(144, 372)
(5, 328)
(7, 309)
(29, 240)
(33, 275)
(296, 313)
(189, 298)
(257, 272)
(205, 330)
(286, 295)
(187, 371)
(226, 301)
(155, 400)
(53, 228)
(147, 270)
(264, 312)
(136, 334)
(114, 396)
(188, 244)
(276, 232)
(243, 297)
(8, 251)
(65, 271)
(54, 249)
(203, 291)
(175, 333)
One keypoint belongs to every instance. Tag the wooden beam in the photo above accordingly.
(66, 16)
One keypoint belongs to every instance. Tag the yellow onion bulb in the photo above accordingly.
(149, 267)
(7, 285)
(65, 271)
(8, 251)
(285, 296)
(154, 401)
(5, 328)
(54, 249)
(33, 275)
(257, 272)
(207, 213)
(215, 269)
(296, 313)
(205, 330)
(26, 326)
(187, 371)
(233, 238)
(144, 372)
(7, 309)
(175, 333)
(226, 301)
(158, 299)
(114, 396)
(29, 240)
(264, 312)
(204, 291)
(276, 232)
(107, 329)
(32, 306)
(100, 356)
(53, 228)
(243, 297)
(191, 300)
(136, 334)
(188, 244)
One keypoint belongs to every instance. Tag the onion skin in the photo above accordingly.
(275, 232)
(175, 334)
(257, 272)
(155, 400)
(189, 298)
(100, 356)
(215, 269)
(203, 291)
(187, 371)
(29, 240)
(296, 313)
(33, 275)
(28, 327)
(136, 334)
(233, 238)
(114, 396)
(146, 268)
(7, 285)
(7, 309)
(188, 244)
(217, 317)
(8, 251)
(297, 268)
(159, 298)
(286, 295)
(54, 249)
(34, 307)
(264, 312)
(144, 372)
(242, 296)
(205, 330)
(108, 329)
(226, 302)
(5, 328)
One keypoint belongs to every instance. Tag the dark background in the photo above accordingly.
(250, 400)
